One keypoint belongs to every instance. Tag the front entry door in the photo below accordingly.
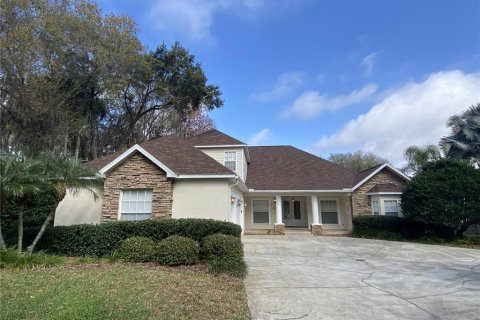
(293, 212)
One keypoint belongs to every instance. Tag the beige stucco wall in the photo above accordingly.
(201, 198)
(79, 209)
(219, 155)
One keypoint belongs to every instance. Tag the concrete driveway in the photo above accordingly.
(305, 277)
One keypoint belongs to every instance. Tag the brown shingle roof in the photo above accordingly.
(176, 153)
(213, 137)
(288, 168)
(365, 173)
(389, 187)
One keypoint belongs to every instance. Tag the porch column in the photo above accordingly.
(316, 219)
(317, 228)
(279, 227)
(278, 211)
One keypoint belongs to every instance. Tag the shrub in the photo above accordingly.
(177, 250)
(224, 254)
(444, 192)
(12, 259)
(468, 241)
(387, 227)
(104, 239)
(137, 249)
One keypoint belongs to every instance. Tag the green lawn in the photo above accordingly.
(119, 291)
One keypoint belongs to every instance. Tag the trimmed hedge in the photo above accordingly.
(103, 239)
(224, 254)
(177, 250)
(137, 249)
(394, 228)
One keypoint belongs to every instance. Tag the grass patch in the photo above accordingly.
(120, 291)
(466, 242)
(12, 259)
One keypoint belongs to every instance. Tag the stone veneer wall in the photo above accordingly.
(360, 200)
(137, 172)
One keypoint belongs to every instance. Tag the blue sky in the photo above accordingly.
(327, 76)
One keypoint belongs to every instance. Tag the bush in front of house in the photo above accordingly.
(103, 239)
(177, 250)
(224, 254)
(445, 193)
(386, 227)
(137, 249)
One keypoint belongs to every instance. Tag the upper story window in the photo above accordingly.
(136, 204)
(231, 160)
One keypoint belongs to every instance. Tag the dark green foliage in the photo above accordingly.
(12, 259)
(36, 211)
(224, 254)
(103, 239)
(464, 141)
(379, 227)
(467, 241)
(177, 250)
(137, 249)
(446, 193)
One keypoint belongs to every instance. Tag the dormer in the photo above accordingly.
(227, 150)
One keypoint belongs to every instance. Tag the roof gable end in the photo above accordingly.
(365, 175)
(137, 148)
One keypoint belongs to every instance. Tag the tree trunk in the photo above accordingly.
(20, 229)
(65, 145)
(94, 141)
(3, 246)
(43, 228)
(77, 146)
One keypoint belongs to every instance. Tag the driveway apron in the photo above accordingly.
(300, 276)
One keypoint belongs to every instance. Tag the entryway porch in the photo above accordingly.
(293, 212)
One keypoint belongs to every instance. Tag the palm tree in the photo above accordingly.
(19, 179)
(64, 173)
(418, 156)
(464, 142)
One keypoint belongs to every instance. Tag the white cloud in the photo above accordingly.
(368, 62)
(260, 137)
(192, 19)
(284, 85)
(414, 114)
(311, 103)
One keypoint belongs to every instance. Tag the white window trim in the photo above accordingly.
(381, 199)
(120, 199)
(397, 203)
(337, 200)
(379, 206)
(225, 159)
(269, 211)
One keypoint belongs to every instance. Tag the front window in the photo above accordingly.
(376, 207)
(136, 205)
(260, 211)
(231, 160)
(329, 211)
(391, 208)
